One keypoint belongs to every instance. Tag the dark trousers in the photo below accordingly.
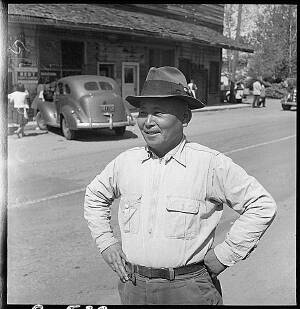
(197, 288)
(262, 101)
(255, 101)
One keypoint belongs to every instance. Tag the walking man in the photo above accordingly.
(256, 93)
(172, 193)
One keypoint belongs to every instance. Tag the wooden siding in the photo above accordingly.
(209, 15)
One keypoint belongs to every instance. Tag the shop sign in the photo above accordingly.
(27, 75)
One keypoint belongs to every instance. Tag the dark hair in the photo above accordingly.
(41, 80)
(20, 87)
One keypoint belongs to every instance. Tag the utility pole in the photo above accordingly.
(236, 53)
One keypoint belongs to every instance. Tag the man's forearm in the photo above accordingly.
(246, 231)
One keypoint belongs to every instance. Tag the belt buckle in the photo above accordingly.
(132, 278)
(171, 274)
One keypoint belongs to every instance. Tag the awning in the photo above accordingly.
(98, 18)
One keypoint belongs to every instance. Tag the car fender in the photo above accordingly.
(48, 111)
(67, 112)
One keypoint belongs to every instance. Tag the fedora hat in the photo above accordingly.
(165, 82)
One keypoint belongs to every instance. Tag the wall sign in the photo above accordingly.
(27, 75)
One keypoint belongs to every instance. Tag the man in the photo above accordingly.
(256, 93)
(262, 97)
(172, 194)
(193, 87)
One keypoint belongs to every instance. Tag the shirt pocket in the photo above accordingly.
(129, 213)
(182, 217)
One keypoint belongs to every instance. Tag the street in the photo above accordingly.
(51, 256)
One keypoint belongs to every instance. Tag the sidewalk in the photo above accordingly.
(31, 125)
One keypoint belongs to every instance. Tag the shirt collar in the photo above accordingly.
(176, 153)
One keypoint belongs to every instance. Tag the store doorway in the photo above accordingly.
(130, 79)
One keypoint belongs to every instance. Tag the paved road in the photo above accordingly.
(51, 257)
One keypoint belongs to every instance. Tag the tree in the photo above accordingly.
(275, 43)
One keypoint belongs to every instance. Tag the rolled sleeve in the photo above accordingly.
(99, 195)
(257, 209)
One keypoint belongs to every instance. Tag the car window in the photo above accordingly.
(67, 88)
(60, 88)
(105, 86)
(91, 86)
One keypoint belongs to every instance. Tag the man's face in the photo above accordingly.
(160, 121)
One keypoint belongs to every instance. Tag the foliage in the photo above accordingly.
(276, 91)
(272, 30)
(275, 43)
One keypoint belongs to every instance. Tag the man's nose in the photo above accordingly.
(149, 120)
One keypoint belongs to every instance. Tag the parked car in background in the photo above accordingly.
(84, 102)
(289, 100)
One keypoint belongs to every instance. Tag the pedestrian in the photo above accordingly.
(193, 87)
(38, 98)
(19, 99)
(172, 194)
(256, 93)
(262, 98)
(223, 92)
(239, 92)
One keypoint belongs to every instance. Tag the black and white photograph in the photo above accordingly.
(148, 154)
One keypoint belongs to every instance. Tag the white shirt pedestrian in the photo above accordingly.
(256, 88)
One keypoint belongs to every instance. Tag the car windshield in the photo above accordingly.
(94, 86)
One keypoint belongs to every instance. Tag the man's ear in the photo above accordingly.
(187, 116)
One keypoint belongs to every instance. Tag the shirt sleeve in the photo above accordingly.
(257, 209)
(100, 194)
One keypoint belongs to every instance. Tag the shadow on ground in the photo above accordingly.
(100, 135)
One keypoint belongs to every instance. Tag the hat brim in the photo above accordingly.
(192, 102)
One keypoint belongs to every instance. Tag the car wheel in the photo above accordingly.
(67, 132)
(40, 121)
(120, 131)
(286, 107)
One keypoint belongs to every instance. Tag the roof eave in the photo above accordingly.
(119, 30)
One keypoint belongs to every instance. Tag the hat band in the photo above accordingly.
(162, 87)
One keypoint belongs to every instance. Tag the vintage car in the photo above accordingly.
(289, 100)
(84, 102)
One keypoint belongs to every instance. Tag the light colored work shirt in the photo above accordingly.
(256, 88)
(19, 99)
(170, 207)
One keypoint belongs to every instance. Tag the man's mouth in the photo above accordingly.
(151, 132)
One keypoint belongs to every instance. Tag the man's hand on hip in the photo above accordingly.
(213, 265)
(115, 258)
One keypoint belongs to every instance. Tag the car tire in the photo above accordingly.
(286, 107)
(40, 121)
(120, 131)
(66, 131)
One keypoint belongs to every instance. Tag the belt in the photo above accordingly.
(164, 273)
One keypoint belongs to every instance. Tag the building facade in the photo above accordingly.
(50, 41)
